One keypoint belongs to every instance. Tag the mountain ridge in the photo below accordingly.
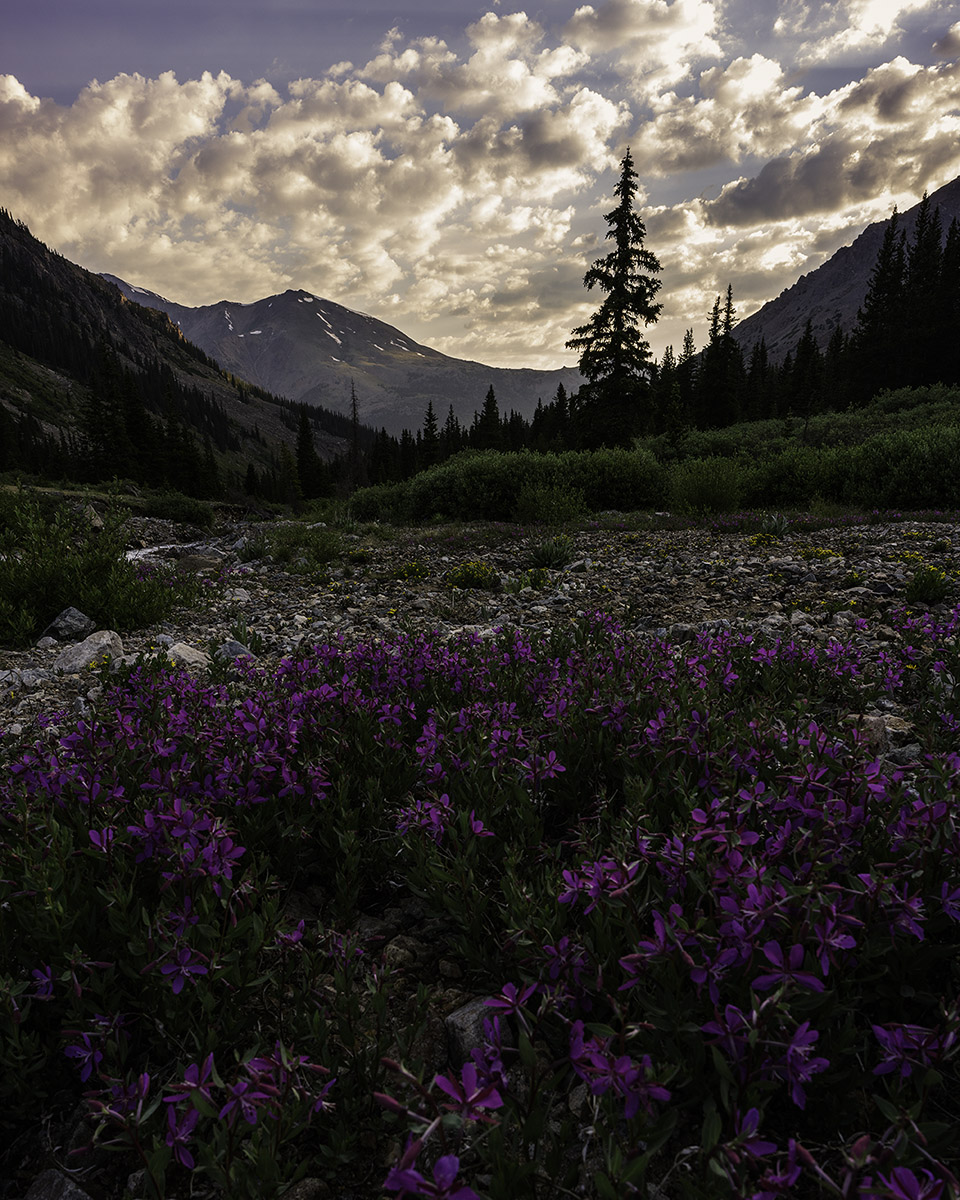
(317, 351)
(831, 294)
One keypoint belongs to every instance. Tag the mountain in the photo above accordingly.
(309, 349)
(79, 361)
(832, 294)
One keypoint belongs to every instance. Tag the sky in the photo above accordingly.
(445, 165)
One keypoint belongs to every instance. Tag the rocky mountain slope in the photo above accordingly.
(309, 349)
(59, 321)
(832, 294)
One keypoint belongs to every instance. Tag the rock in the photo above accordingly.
(183, 655)
(232, 649)
(464, 1028)
(308, 1189)
(104, 645)
(47, 643)
(51, 1185)
(69, 625)
(239, 594)
(199, 563)
(92, 517)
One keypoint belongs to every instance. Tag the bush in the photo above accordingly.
(929, 585)
(555, 552)
(185, 510)
(706, 485)
(51, 562)
(305, 548)
(548, 505)
(479, 575)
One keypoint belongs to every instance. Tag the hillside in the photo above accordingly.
(832, 294)
(71, 341)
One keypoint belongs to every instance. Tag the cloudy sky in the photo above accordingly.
(445, 164)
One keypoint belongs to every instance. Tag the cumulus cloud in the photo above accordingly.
(459, 189)
(744, 108)
(824, 30)
(654, 41)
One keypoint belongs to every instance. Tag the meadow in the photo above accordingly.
(714, 930)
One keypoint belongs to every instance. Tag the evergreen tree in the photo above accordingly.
(687, 374)
(614, 355)
(485, 433)
(877, 344)
(804, 385)
(921, 332)
(721, 378)
(430, 440)
(452, 437)
(947, 357)
(310, 469)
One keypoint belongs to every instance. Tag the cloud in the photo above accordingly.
(891, 133)
(655, 42)
(744, 108)
(948, 46)
(827, 30)
(459, 189)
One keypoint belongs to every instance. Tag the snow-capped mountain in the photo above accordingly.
(310, 349)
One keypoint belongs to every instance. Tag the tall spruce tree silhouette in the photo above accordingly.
(614, 355)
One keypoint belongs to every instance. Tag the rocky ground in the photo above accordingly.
(813, 584)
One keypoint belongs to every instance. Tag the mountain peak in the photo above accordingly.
(303, 346)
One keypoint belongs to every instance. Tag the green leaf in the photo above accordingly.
(605, 1188)
(890, 1111)
(712, 1126)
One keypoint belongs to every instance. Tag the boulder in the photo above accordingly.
(183, 655)
(104, 645)
(51, 1185)
(69, 625)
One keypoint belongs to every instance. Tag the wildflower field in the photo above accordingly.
(717, 935)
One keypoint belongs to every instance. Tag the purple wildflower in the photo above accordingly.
(788, 969)
(904, 1185)
(88, 1056)
(178, 1136)
(181, 969)
(471, 1097)
(408, 1181)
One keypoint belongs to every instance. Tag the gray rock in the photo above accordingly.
(183, 655)
(199, 563)
(51, 1185)
(69, 625)
(47, 643)
(464, 1028)
(232, 649)
(239, 593)
(99, 646)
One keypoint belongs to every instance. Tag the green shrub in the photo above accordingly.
(929, 585)
(548, 504)
(50, 562)
(479, 575)
(185, 510)
(555, 552)
(411, 572)
(305, 548)
(705, 485)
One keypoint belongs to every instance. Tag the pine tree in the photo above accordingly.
(486, 434)
(430, 440)
(921, 331)
(878, 348)
(614, 355)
